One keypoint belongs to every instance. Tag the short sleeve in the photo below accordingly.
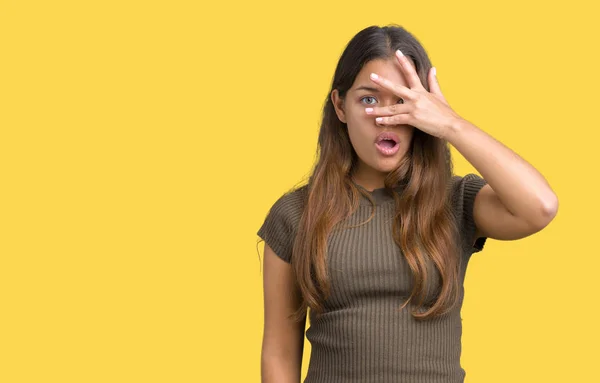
(280, 226)
(465, 190)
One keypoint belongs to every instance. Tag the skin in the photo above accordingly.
(517, 201)
(363, 129)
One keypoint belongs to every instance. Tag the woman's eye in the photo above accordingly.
(401, 101)
(368, 103)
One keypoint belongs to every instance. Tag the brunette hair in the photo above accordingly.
(424, 226)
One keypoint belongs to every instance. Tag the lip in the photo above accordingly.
(387, 151)
(387, 135)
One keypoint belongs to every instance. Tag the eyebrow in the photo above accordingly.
(368, 88)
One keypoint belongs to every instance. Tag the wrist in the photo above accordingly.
(455, 128)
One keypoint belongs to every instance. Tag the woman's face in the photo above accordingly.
(375, 160)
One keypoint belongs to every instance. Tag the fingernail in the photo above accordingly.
(399, 53)
(368, 110)
(374, 76)
(434, 71)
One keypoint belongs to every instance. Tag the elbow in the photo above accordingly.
(550, 207)
(547, 211)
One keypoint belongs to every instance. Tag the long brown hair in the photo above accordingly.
(424, 226)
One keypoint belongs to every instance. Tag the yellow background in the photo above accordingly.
(142, 144)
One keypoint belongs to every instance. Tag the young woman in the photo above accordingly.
(377, 242)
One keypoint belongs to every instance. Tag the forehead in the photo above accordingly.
(389, 69)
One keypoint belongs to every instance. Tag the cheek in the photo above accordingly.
(357, 113)
(354, 135)
(359, 140)
(360, 124)
(407, 134)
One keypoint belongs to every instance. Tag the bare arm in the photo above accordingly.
(517, 201)
(283, 339)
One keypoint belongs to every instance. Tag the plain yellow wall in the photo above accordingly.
(144, 142)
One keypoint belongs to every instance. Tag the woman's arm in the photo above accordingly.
(517, 201)
(283, 339)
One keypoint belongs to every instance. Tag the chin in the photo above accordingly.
(386, 165)
(388, 168)
(389, 161)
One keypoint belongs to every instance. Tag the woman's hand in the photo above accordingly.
(425, 111)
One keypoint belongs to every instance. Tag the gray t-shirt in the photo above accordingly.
(362, 336)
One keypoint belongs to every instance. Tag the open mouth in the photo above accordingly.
(387, 143)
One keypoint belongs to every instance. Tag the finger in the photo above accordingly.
(397, 119)
(389, 110)
(434, 86)
(414, 82)
(399, 90)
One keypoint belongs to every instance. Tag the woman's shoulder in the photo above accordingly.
(465, 187)
(289, 206)
(463, 192)
(292, 200)
(281, 223)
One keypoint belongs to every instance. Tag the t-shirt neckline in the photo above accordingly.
(379, 195)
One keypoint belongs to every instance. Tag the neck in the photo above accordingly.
(370, 183)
